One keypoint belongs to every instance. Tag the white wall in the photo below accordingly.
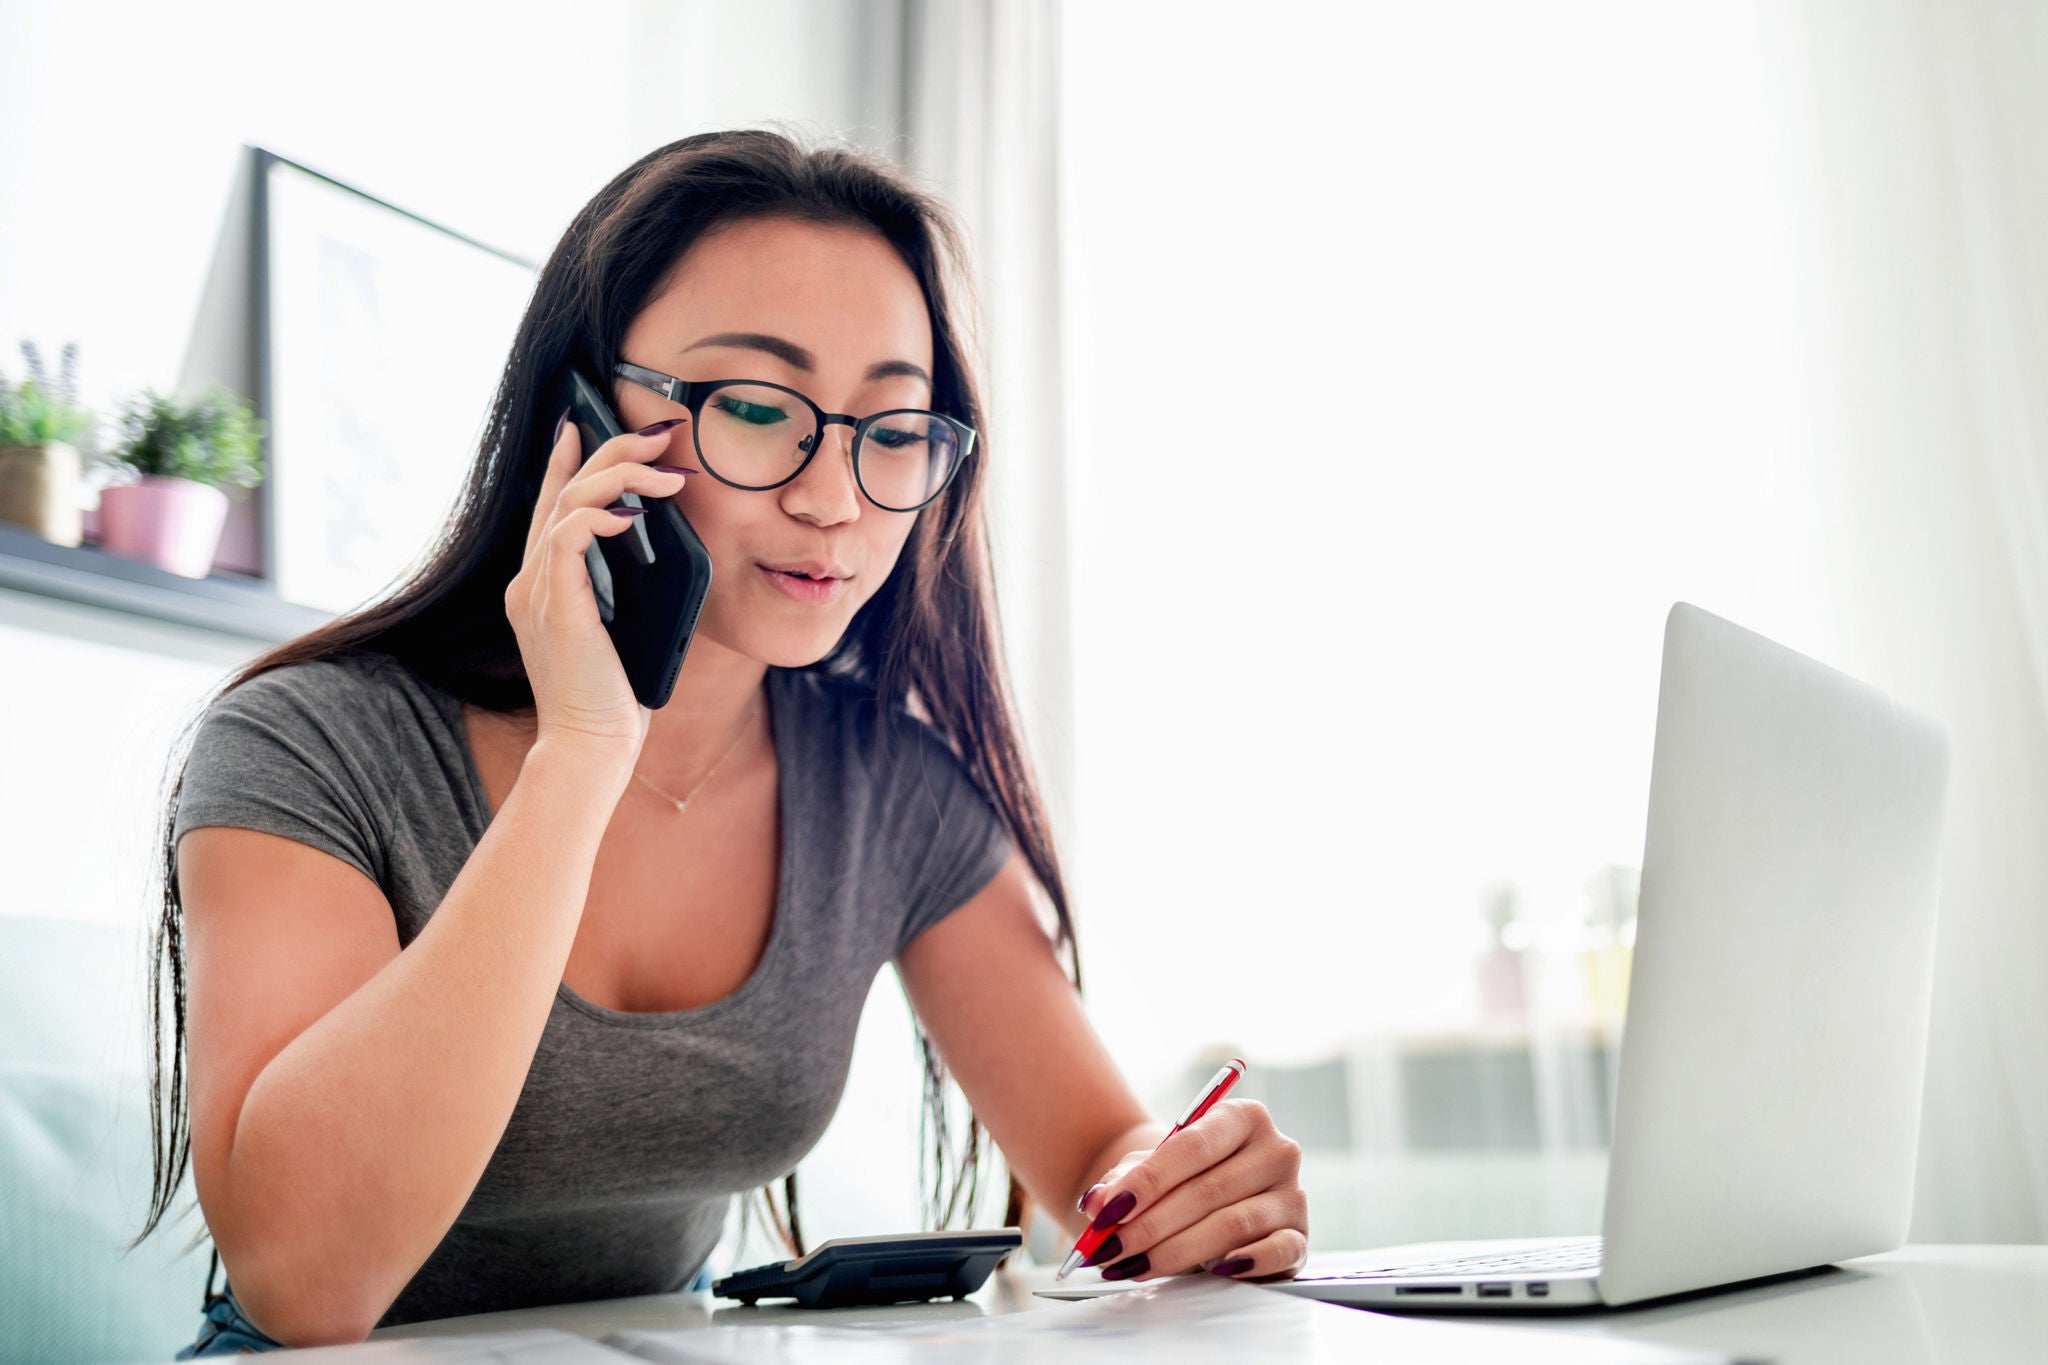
(120, 127)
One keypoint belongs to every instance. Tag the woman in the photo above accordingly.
(502, 985)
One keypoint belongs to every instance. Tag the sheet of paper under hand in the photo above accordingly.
(532, 1346)
(1186, 1320)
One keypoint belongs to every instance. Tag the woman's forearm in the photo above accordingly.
(360, 1141)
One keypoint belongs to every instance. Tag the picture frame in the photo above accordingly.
(380, 340)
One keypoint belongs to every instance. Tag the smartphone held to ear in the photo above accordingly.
(650, 580)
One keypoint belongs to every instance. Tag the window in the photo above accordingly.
(1423, 356)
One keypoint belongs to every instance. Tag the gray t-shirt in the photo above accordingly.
(634, 1130)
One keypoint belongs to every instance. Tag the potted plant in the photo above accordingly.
(184, 454)
(41, 470)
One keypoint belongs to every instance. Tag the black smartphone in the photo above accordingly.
(650, 580)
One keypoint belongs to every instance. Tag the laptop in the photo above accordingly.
(1767, 1108)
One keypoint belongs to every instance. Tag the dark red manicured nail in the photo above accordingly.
(1129, 1266)
(1111, 1248)
(675, 469)
(1082, 1206)
(1236, 1265)
(560, 422)
(658, 427)
(627, 511)
(1113, 1212)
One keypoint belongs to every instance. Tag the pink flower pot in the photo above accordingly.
(174, 524)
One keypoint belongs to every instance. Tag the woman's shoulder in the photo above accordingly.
(890, 759)
(880, 736)
(903, 785)
(336, 691)
(302, 750)
(353, 672)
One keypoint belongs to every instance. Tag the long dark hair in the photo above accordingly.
(927, 640)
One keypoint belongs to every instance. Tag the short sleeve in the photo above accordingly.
(293, 752)
(963, 838)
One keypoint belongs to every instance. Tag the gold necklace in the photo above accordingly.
(682, 803)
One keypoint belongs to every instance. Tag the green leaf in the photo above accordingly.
(215, 441)
(39, 410)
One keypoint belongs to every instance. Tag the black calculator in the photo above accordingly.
(907, 1268)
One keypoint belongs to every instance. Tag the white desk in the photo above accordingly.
(1951, 1305)
(1921, 1305)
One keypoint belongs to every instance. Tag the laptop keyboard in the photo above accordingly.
(1580, 1255)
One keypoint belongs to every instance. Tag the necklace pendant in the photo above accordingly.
(682, 803)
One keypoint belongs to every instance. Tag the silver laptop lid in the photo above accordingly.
(1768, 1104)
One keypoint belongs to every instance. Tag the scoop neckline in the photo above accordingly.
(779, 723)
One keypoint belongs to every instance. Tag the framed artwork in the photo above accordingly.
(380, 341)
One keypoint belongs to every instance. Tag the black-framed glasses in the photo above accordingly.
(755, 435)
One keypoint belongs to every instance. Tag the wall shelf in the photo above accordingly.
(232, 603)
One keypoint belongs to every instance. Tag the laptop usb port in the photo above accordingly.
(1429, 1289)
(1537, 1289)
(1496, 1291)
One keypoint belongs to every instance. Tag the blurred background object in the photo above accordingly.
(1366, 382)
(40, 467)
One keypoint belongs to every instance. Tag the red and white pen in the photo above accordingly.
(1218, 1086)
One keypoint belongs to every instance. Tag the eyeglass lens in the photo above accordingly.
(756, 435)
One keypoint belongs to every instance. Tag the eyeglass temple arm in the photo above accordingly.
(667, 385)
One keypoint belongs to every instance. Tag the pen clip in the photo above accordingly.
(1211, 1092)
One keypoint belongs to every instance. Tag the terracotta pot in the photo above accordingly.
(39, 489)
(172, 523)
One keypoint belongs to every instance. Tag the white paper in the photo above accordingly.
(1186, 1320)
(1087, 1289)
(534, 1346)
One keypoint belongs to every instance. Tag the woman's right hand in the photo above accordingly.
(580, 691)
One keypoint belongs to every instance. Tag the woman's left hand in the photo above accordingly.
(1223, 1194)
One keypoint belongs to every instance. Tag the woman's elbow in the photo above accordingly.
(288, 1310)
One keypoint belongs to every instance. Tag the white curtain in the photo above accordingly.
(1918, 162)
(977, 85)
(979, 122)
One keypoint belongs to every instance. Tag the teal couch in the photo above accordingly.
(74, 1156)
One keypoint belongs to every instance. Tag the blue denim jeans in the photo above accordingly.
(225, 1331)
